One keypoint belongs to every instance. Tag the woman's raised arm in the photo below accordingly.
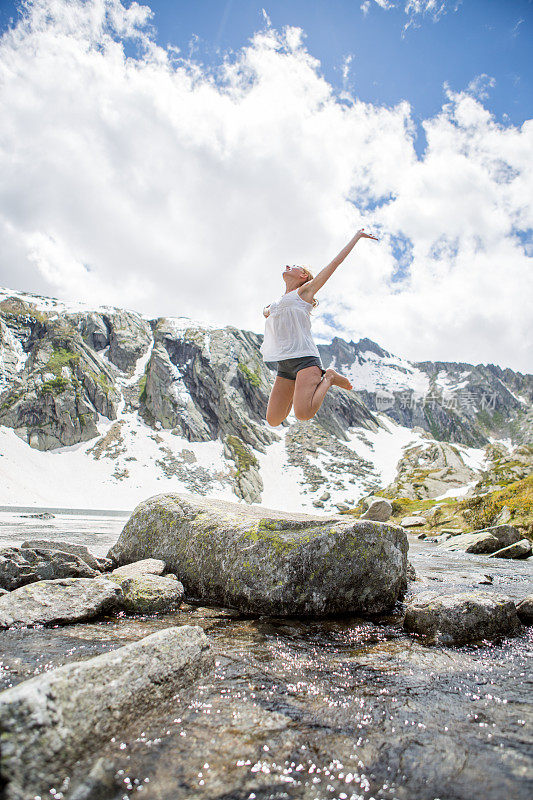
(319, 280)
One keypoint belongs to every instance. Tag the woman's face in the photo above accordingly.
(295, 272)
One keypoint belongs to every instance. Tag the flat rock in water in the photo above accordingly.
(148, 566)
(65, 547)
(471, 543)
(449, 619)
(520, 549)
(412, 522)
(60, 601)
(49, 722)
(148, 594)
(268, 561)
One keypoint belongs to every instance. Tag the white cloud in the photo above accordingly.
(153, 183)
(416, 9)
(480, 85)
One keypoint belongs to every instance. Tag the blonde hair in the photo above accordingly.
(310, 277)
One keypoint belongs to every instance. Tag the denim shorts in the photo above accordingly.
(290, 366)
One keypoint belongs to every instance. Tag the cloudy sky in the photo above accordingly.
(172, 158)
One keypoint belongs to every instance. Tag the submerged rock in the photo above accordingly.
(102, 782)
(463, 617)
(62, 600)
(49, 722)
(267, 561)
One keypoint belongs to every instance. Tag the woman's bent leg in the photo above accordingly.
(311, 387)
(280, 401)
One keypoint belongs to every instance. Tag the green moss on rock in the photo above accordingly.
(55, 387)
(241, 454)
(60, 358)
(253, 377)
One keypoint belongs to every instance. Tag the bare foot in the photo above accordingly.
(336, 379)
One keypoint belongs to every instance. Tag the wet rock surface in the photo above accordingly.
(462, 617)
(48, 722)
(316, 709)
(59, 601)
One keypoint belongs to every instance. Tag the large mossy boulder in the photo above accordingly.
(265, 561)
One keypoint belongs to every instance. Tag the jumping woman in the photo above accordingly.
(300, 377)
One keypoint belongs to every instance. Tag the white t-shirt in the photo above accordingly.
(288, 329)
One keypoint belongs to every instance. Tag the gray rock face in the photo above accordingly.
(168, 400)
(20, 566)
(129, 338)
(267, 561)
(449, 619)
(51, 721)
(65, 547)
(428, 470)
(520, 549)
(379, 510)
(60, 601)
(63, 386)
(95, 331)
(218, 376)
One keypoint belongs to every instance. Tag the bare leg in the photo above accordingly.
(311, 387)
(280, 401)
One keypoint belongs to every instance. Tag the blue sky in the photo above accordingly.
(482, 37)
(174, 162)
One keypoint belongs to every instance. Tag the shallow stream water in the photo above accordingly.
(345, 708)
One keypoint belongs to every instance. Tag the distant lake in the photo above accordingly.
(98, 529)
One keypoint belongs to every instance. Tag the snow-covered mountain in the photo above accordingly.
(103, 407)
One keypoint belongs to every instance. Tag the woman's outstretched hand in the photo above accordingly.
(362, 235)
